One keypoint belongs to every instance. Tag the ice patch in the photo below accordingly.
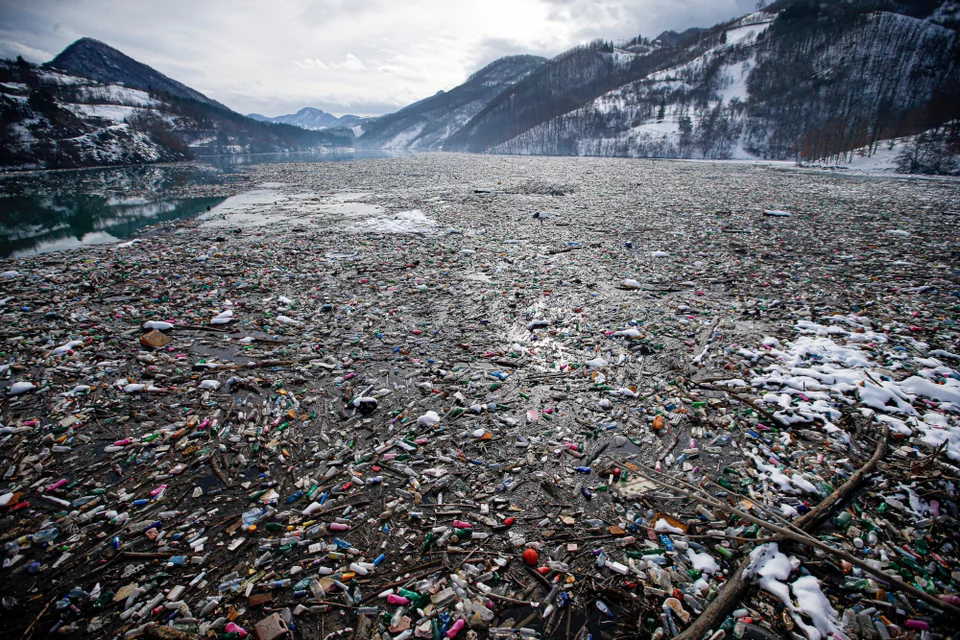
(949, 391)
(811, 601)
(788, 484)
(787, 510)
(771, 566)
(829, 366)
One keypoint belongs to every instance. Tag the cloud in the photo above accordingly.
(361, 56)
(310, 63)
(10, 47)
(620, 19)
(352, 63)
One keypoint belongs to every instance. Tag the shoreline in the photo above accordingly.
(397, 153)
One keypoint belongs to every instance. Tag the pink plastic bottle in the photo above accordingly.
(455, 629)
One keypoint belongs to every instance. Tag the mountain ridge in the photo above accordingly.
(799, 80)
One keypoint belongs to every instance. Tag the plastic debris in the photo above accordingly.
(433, 397)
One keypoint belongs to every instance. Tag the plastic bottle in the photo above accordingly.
(604, 609)
(45, 535)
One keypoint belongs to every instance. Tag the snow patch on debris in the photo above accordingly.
(772, 569)
(703, 561)
(413, 221)
(662, 526)
(836, 364)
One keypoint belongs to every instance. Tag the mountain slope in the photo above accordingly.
(98, 61)
(565, 83)
(428, 123)
(801, 79)
(310, 118)
(798, 83)
(50, 119)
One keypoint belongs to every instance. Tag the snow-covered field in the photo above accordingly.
(115, 112)
(886, 158)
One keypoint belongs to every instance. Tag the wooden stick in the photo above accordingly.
(747, 401)
(506, 599)
(37, 619)
(736, 587)
(471, 554)
(216, 470)
(199, 327)
(733, 593)
(818, 514)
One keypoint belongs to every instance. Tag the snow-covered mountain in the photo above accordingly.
(311, 118)
(89, 58)
(110, 109)
(428, 123)
(800, 79)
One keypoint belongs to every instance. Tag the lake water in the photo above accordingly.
(56, 210)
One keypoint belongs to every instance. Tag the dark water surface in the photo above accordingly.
(47, 211)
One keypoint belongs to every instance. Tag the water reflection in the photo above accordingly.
(334, 155)
(39, 225)
(52, 211)
(57, 210)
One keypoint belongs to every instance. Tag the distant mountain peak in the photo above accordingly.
(310, 118)
(91, 58)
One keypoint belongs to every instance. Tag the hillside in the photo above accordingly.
(801, 79)
(53, 119)
(563, 84)
(427, 124)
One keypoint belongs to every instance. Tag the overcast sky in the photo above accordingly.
(365, 57)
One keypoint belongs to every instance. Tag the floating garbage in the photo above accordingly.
(20, 387)
(331, 420)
